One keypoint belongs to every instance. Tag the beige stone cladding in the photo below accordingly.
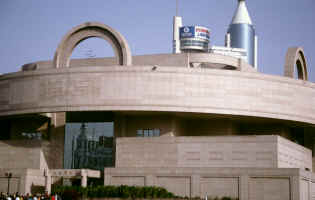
(22, 181)
(215, 151)
(242, 183)
(22, 154)
(149, 88)
(291, 155)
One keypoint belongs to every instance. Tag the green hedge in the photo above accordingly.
(122, 191)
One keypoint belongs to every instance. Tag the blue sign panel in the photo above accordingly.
(197, 32)
(187, 32)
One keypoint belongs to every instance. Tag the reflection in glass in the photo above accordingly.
(156, 132)
(139, 133)
(88, 145)
(148, 132)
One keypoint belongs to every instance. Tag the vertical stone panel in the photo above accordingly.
(219, 187)
(312, 197)
(304, 190)
(56, 145)
(269, 188)
(244, 187)
(3, 184)
(14, 185)
(195, 185)
(177, 185)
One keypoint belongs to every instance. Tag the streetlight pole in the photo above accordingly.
(8, 175)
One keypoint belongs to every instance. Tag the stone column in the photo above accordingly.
(119, 125)
(295, 187)
(309, 188)
(107, 176)
(244, 187)
(47, 181)
(57, 139)
(83, 178)
(24, 186)
(195, 186)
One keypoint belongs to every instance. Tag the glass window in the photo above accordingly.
(140, 133)
(150, 133)
(86, 143)
(146, 133)
(156, 132)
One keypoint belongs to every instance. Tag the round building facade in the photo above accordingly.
(182, 121)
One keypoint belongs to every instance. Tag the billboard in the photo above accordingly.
(197, 32)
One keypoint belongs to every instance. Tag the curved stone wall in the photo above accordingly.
(148, 88)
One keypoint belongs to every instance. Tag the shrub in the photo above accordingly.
(122, 191)
(70, 195)
(37, 189)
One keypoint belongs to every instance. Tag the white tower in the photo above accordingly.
(241, 33)
(177, 23)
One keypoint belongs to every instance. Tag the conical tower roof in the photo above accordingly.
(241, 15)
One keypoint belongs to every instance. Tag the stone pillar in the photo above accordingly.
(24, 186)
(107, 176)
(309, 189)
(244, 187)
(295, 187)
(54, 150)
(83, 178)
(119, 125)
(174, 126)
(47, 181)
(195, 186)
(107, 179)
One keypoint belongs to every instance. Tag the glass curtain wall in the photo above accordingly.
(89, 145)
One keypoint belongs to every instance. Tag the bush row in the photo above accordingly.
(123, 191)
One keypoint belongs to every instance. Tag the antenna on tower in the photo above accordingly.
(177, 23)
(176, 7)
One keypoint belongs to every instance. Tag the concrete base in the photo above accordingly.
(22, 180)
(242, 183)
(264, 151)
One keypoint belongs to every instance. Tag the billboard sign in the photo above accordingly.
(187, 32)
(197, 32)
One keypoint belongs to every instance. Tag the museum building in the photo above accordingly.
(198, 122)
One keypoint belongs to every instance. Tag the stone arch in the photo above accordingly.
(295, 56)
(88, 30)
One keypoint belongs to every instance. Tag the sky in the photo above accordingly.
(32, 29)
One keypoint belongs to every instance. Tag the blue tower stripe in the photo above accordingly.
(243, 36)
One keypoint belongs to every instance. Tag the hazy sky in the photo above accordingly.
(32, 29)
